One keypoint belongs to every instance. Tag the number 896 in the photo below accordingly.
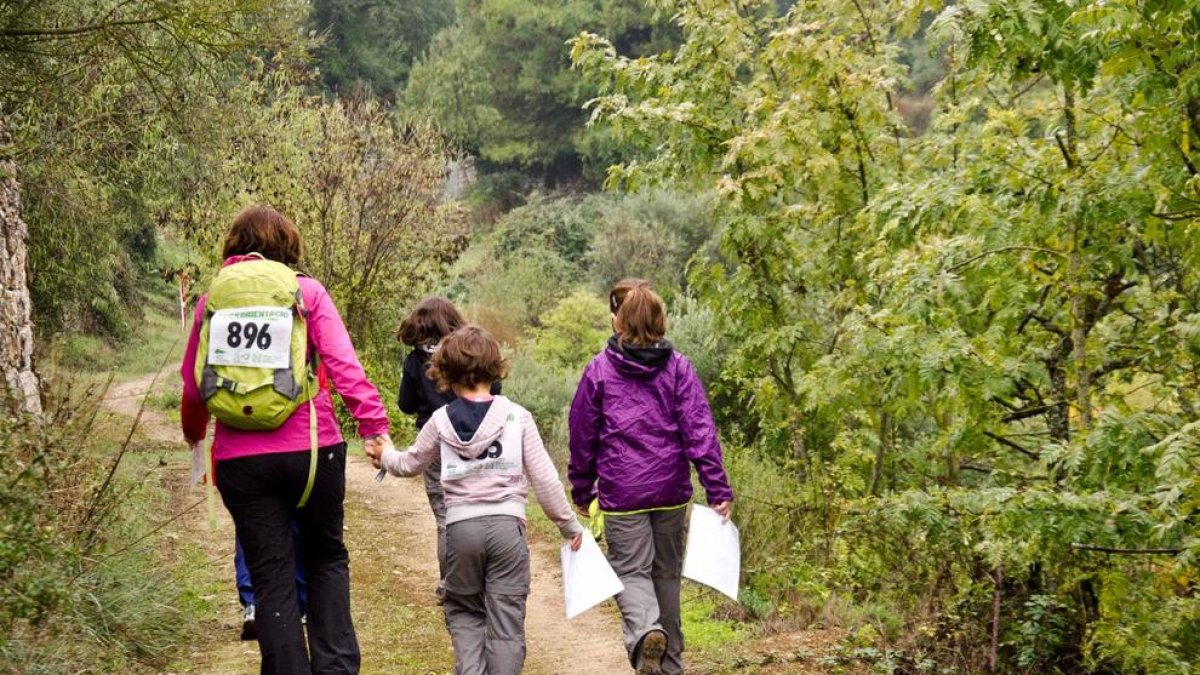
(252, 334)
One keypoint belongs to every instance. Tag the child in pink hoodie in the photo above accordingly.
(490, 452)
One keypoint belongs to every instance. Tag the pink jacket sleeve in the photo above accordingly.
(332, 343)
(193, 415)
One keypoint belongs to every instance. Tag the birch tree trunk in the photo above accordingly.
(22, 394)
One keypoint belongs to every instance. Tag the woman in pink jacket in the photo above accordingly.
(262, 474)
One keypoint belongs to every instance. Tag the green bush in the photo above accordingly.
(573, 332)
(30, 552)
(518, 289)
(564, 226)
(766, 503)
(539, 253)
(140, 240)
(546, 392)
(691, 328)
(650, 235)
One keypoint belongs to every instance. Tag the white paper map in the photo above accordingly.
(714, 553)
(588, 579)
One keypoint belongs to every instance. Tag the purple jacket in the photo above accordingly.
(638, 418)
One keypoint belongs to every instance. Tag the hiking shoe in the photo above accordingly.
(654, 645)
(249, 627)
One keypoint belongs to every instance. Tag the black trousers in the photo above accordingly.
(261, 492)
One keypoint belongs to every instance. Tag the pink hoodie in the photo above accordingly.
(489, 474)
(327, 335)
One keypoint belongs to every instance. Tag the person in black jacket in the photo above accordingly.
(432, 319)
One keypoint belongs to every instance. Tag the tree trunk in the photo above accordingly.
(883, 451)
(21, 394)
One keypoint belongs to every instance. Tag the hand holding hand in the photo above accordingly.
(375, 446)
(725, 509)
(582, 511)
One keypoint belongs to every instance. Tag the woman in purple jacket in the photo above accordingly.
(639, 417)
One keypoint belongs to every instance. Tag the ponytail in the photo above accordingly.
(639, 313)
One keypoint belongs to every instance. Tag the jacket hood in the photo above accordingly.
(639, 361)
(489, 429)
(233, 259)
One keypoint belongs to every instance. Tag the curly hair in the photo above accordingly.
(467, 357)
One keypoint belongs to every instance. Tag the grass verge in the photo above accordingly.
(86, 585)
(90, 358)
(101, 596)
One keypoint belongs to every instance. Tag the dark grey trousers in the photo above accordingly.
(487, 582)
(646, 552)
(437, 504)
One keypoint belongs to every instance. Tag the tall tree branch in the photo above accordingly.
(1015, 446)
(59, 33)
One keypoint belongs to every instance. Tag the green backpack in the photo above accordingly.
(251, 365)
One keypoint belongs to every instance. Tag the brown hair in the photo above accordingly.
(261, 229)
(467, 357)
(431, 320)
(639, 315)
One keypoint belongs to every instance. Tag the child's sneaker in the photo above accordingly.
(654, 645)
(249, 627)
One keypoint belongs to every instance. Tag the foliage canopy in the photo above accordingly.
(974, 345)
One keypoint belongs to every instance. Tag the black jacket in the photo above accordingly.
(418, 394)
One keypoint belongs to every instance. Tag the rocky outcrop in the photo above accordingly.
(460, 176)
(22, 392)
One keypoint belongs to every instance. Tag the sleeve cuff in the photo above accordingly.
(715, 498)
(571, 529)
(374, 428)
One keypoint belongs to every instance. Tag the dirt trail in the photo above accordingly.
(125, 398)
(392, 541)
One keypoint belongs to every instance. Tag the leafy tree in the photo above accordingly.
(375, 41)
(499, 80)
(99, 97)
(941, 334)
(365, 194)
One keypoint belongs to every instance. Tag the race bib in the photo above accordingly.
(258, 337)
(503, 456)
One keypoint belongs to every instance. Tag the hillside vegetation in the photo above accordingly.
(936, 264)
